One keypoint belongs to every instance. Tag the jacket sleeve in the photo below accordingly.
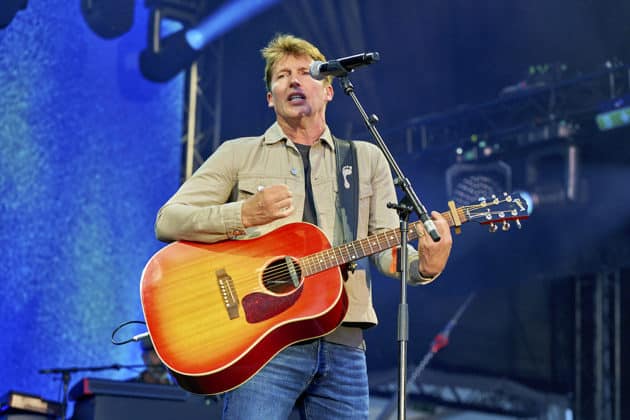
(382, 217)
(199, 210)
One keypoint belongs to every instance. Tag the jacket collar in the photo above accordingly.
(274, 134)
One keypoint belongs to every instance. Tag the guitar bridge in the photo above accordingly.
(228, 293)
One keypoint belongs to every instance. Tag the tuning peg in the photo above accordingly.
(506, 226)
(492, 227)
(518, 224)
(507, 197)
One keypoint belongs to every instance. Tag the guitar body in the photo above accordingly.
(217, 313)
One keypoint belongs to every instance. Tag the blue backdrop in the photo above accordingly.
(88, 153)
(89, 150)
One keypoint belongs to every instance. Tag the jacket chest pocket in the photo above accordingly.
(251, 184)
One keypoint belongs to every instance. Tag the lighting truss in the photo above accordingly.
(523, 115)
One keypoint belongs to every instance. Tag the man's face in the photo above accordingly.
(294, 93)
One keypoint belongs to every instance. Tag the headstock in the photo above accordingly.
(510, 208)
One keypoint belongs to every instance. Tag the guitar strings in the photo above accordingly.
(326, 260)
(279, 274)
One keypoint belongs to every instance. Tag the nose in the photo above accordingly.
(295, 80)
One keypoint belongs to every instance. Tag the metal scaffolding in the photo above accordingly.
(201, 126)
(530, 112)
(202, 113)
(598, 346)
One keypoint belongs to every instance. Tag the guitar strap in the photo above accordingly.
(347, 188)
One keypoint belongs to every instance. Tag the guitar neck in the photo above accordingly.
(373, 244)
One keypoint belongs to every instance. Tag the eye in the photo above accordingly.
(281, 74)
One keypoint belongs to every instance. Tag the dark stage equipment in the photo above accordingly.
(104, 399)
(166, 57)
(108, 18)
(8, 9)
(24, 406)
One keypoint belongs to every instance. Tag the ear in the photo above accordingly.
(269, 100)
(330, 92)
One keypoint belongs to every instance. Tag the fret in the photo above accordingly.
(344, 257)
(323, 258)
(359, 244)
(363, 251)
(332, 258)
(382, 240)
(345, 252)
(331, 261)
(413, 233)
(334, 251)
(365, 247)
(304, 263)
(312, 264)
(373, 242)
(391, 238)
(355, 255)
(320, 262)
(349, 252)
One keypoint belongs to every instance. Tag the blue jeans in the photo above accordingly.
(321, 379)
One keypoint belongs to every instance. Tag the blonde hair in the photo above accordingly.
(283, 45)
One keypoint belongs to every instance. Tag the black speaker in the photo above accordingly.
(104, 399)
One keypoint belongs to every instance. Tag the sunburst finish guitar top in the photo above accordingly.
(217, 313)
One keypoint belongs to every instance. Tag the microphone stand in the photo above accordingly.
(440, 341)
(66, 373)
(403, 210)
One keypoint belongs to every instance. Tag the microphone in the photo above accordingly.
(341, 66)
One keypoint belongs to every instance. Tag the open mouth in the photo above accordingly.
(296, 97)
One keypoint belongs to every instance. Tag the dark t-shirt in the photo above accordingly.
(309, 206)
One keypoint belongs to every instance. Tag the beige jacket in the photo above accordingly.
(207, 207)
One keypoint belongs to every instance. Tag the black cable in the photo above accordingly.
(124, 324)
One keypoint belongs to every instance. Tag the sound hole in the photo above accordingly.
(282, 276)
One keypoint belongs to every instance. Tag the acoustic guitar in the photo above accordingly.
(217, 313)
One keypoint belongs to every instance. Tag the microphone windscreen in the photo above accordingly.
(315, 70)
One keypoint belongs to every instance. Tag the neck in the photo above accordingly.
(302, 130)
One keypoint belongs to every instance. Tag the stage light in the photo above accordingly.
(467, 182)
(108, 18)
(614, 113)
(8, 10)
(176, 52)
(553, 175)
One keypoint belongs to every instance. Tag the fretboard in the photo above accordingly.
(360, 248)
